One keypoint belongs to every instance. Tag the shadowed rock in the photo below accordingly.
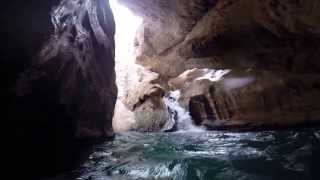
(58, 66)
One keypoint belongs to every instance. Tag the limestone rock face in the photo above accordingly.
(57, 66)
(181, 35)
(123, 119)
(145, 102)
(275, 43)
(249, 100)
(79, 60)
(140, 106)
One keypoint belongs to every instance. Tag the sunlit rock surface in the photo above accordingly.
(139, 104)
(271, 47)
(150, 112)
(230, 33)
(246, 99)
(57, 66)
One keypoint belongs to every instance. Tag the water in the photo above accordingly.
(213, 155)
(192, 153)
(179, 118)
(213, 74)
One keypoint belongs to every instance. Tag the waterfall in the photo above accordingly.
(179, 118)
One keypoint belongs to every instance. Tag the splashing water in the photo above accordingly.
(213, 75)
(179, 115)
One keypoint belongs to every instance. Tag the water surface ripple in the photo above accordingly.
(212, 155)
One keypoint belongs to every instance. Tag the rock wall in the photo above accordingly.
(275, 41)
(249, 100)
(57, 66)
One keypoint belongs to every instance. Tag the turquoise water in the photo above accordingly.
(206, 155)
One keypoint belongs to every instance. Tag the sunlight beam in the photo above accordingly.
(127, 25)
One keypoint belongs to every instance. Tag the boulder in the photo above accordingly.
(142, 109)
(149, 110)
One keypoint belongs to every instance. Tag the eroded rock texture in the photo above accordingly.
(273, 44)
(249, 100)
(80, 58)
(57, 60)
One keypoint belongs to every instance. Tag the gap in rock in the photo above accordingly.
(127, 24)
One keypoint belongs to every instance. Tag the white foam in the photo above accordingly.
(213, 75)
(184, 120)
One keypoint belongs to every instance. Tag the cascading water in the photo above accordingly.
(179, 118)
